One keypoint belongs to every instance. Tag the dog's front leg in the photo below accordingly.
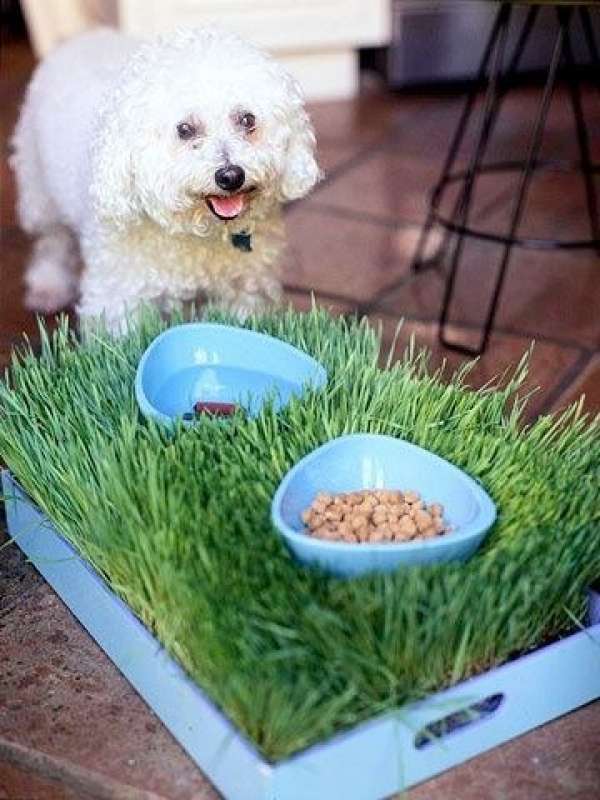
(117, 317)
(115, 285)
(252, 293)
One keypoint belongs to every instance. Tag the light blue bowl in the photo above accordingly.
(369, 461)
(219, 363)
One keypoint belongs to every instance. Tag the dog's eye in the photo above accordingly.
(185, 130)
(247, 122)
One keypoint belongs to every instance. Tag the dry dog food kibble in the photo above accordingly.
(374, 515)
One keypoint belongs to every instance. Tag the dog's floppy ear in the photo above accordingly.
(112, 188)
(300, 171)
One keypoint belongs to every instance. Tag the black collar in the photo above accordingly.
(242, 241)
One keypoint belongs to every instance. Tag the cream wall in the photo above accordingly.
(317, 39)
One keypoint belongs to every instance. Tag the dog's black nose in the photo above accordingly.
(230, 178)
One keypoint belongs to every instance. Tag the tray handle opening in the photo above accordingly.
(458, 720)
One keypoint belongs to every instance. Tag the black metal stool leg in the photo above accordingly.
(502, 90)
(459, 133)
(582, 137)
(418, 262)
(588, 31)
(519, 204)
(486, 122)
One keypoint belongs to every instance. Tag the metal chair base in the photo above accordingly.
(457, 226)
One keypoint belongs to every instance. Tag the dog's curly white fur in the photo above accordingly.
(116, 151)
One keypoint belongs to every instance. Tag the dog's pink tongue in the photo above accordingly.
(228, 206)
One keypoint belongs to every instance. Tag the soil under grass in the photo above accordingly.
(178, 524)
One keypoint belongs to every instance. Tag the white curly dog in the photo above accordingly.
(164, 165)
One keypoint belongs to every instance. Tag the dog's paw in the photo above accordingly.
(243, 310)
(115, 325)
(247, 304)
(117, 321)
(48, 299)
(49, 286)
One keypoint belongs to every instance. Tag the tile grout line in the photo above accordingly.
(378, 145)
(568, 380)
(513, 333)
(502, 330)
(401, 222)
(374, 304)
(69, 774)
(359, 216)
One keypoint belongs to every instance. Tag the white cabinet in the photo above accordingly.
(291, 25)
(317, 39)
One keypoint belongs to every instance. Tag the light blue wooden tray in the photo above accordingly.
(375, 759)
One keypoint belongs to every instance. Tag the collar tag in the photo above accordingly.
(242, 241)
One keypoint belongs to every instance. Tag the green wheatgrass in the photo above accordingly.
(178, 524)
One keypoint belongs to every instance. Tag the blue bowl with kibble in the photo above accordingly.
(202, 367)
(368, 461)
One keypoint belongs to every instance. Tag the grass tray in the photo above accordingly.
(176, 525)
(375, 759)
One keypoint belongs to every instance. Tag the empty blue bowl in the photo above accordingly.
(208, 362)
(368, 461)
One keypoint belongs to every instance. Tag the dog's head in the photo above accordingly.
(202, 128)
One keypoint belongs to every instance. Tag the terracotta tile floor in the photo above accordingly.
(70, 725)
